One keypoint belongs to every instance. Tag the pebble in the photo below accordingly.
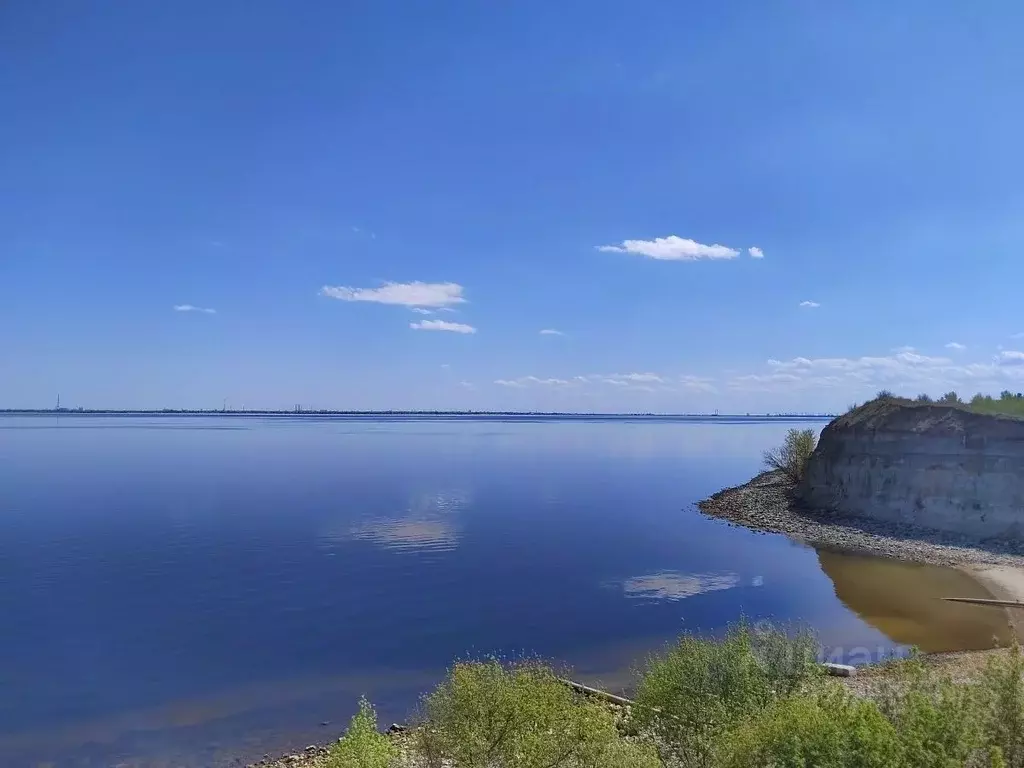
(765, 504)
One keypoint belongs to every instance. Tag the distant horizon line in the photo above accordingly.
(390, 412)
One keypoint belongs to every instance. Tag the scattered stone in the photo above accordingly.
(839, 670)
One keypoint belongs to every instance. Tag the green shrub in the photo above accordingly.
(362, 746)
(938, 720)
(793, 455)
(689, 696)
(490, 715)
(826, 729)
(1002, 703)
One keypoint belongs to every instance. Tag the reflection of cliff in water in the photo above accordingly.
(902, 601)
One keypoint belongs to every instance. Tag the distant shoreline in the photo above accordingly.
(422, 414)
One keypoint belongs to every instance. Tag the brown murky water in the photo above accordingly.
(902, 600)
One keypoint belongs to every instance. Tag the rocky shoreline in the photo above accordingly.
(767, 503)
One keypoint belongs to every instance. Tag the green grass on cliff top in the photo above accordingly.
(1006, 404)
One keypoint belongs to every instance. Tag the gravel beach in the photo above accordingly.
(766, 504)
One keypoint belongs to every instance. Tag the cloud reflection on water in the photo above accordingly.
(429, 525)
(675, 585)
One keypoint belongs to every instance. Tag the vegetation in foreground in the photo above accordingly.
(1007, 404)
(755, 697)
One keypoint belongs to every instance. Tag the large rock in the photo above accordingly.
(928, 465)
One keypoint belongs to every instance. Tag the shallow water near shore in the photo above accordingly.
(197, 591)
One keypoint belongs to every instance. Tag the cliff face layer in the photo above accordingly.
(925, 464)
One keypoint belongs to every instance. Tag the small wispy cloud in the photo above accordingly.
(525, 381)
(551, 332)
(628, 378)
(634, 382)
(442, 325)
(422, 311)
(697, 383)
(1017, 335)
(672, 248)
(193, 308)
(415, 294)
(755, 252)
(810, 304)
(361, 231)
(1010, 357)
(467, 384)
(957, 346)
(903, 350)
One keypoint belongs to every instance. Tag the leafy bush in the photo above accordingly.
(951, 398)
(1002, 706)
(362, 746)
(937, 719)
(825, 729)
(923, 398)
(689, 696)
(793, 455)
(489, 715)
(885, 394)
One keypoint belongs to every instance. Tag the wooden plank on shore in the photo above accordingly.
(596, 692)
(986, 601)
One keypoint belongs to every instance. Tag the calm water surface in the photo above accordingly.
(196, 591)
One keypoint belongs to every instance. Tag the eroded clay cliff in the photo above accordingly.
(929, 465)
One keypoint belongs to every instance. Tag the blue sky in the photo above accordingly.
(384, 204)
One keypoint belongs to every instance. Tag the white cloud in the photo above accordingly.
(1010, 357)
(629, 378)
(672, 248)
(467, 384)
(551, 332)
(810, 304)
(446, 366)
(906, 372)
(755, 252)
(191, 308)
(422, 311)
(525, 381)
(442, 325)
(415, 294)
(697, 383)
(642, 382)
(904, 350)
(957, 346)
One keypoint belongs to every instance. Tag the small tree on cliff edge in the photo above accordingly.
(791, 457)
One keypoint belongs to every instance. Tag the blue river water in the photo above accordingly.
(198, 591)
